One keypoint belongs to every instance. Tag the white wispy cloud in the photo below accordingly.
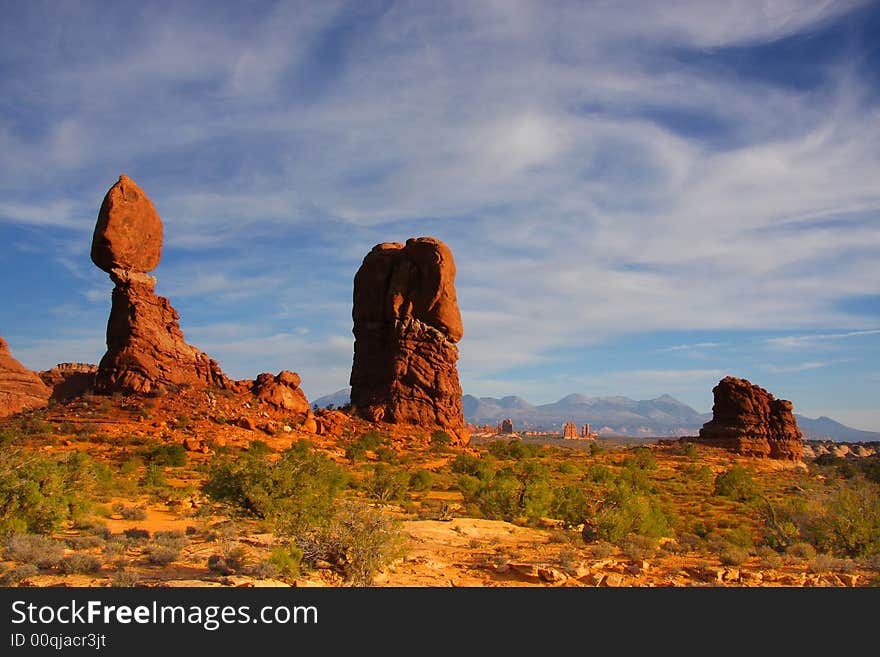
(801, 367)
(816, 339)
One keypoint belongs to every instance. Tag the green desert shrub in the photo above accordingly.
(38, 493)
(359, 542)
(569, 504)
(440, 439)
(169, 455)
(297, 490)
(387, 482)
(421, 480)
(626, 511)
(641, 459)
(737, 483)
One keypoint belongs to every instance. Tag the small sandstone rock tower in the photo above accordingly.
(20, 389)
(748, 420)
(406, 326)
(570, 431)
(506, 426)
(146, 351)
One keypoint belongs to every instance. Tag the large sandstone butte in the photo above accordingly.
(749, 420)
(20, 389)
(146, 351)
(406, 326)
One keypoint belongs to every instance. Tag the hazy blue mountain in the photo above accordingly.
(338, 398)
(823, 428)
(615, 415)
(664, 416)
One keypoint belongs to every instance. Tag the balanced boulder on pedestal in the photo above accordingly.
(146, 350)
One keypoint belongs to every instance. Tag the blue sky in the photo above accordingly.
(641, 197)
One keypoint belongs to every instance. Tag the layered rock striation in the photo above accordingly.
(748, 420)
(406, 326)
(20, 388)
(146, 350)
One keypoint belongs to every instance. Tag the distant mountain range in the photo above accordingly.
(664, 416)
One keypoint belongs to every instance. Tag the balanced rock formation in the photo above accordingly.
(749, 420)
(70, 380)
(20, 388)
(506, 426)
(406, 326)
(146, 351)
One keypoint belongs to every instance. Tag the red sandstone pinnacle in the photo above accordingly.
(128, 234)
(20, 388)
(406, 324)
(749, 420)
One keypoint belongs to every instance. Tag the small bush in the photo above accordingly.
(153, 477)
(130, 512)
(639, 547)
(440, 439)
(20, 573)
(124, 579)
(80, 563)
(733, 555)
(736, 483)
(641, 459)
(387, 483)
(259, 448)
(602, 550)
(595, 449)
(387, 455)
(41, 551)
(569, 504)
(599, 474)
(297, 490)
(38, 493)
(168, 455)
(421, 480)
(475, 466)
(360, 541)
(286, 559)
(137, 534)
(162, 555)
(803, 551)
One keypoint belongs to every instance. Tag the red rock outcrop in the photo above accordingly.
(70, 380)
(506, 426)
(146, 350)
(748, 420)
(281, 392)
(20, 388)
(406, 326)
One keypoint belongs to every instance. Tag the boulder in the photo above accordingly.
(281, 392)
(20, 388)
(748, 420)
(406, 326)
(128, 234)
